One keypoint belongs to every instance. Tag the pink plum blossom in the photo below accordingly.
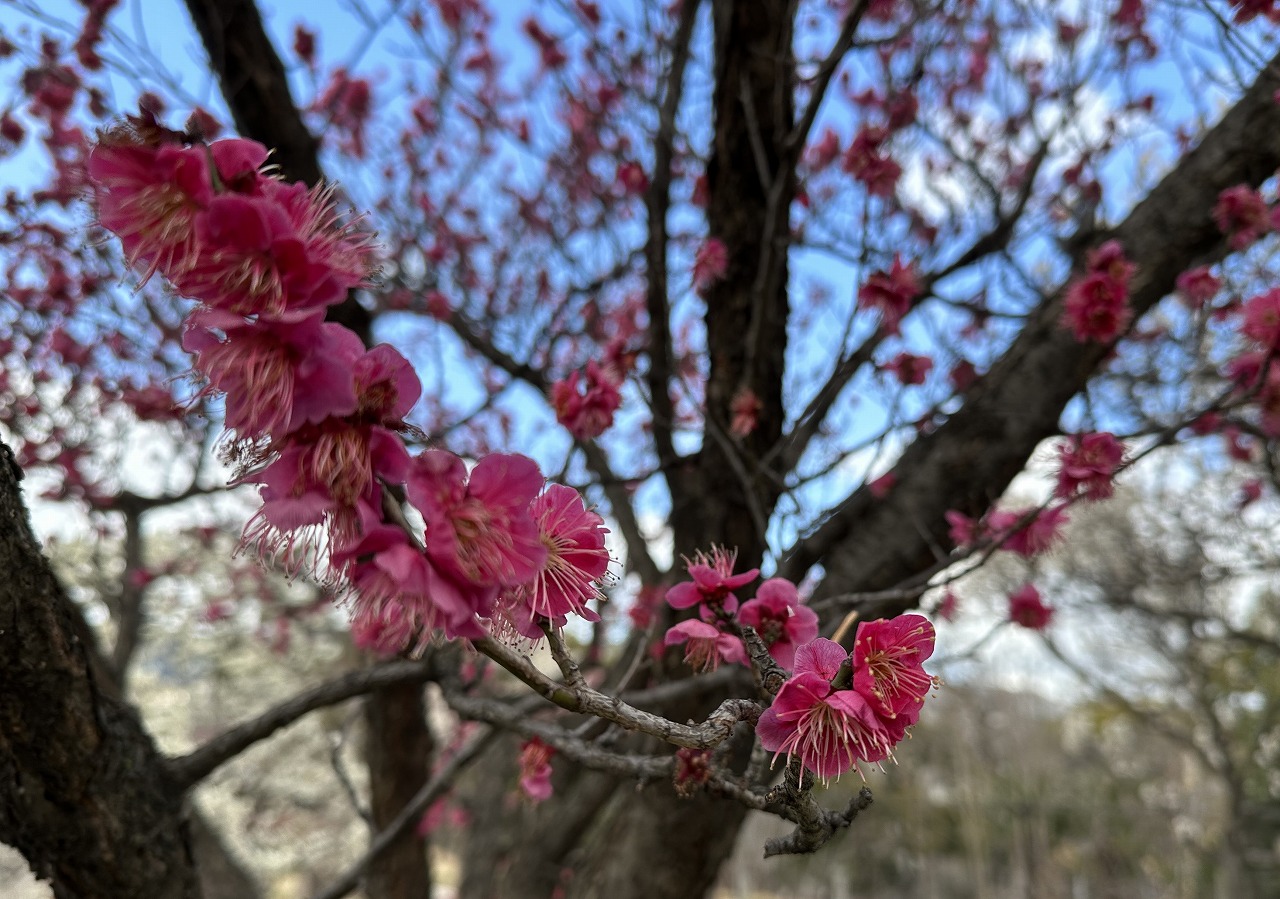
(706, 646)
(778, 616)
(1242, 215)
(149, 196)
(1262, 319)
(535, 769)
(386, 386)
(324, 474)
(891, 292)
(713, 582)
(585, 401)
(829, 730)
(1087, 464)
(1028, 609)
(479, 527)
(268, 254)
(278, 376)
(1197, 286)
(888, 668)
(576, 562)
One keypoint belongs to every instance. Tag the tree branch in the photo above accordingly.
(408, 817)
(868, 544)
(198, 764)
(657, 203)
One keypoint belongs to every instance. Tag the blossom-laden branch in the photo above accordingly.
(316, 420)
(713, 731)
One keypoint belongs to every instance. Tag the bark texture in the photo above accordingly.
(82, 789)
(399, 757)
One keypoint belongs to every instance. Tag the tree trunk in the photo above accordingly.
(399, 757)
(82, 789)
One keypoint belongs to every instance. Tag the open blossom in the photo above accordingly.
(1030, 532)
(535, 769)
(1087, 464)
(1262, 319)
(782, 622)
(706, 646)
(149, 196)
(713, 582)
(830, 730)
(1197, 286)
(479, 527)
(325, 474)
(888, 668)
(386, 386)
(278, 376)
(1242, 215)
(1028, 609)
(586, 401)
(397, 598)
(576, 562)
(891, 292)
(271, 253)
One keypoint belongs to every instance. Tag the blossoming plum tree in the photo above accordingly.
(809, 283)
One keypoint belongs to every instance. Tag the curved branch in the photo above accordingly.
(190, 769)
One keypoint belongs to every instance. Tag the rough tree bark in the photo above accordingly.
(83, 794)
(252, 78)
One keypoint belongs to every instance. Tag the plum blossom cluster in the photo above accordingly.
(842, 708)
(315, 420)
(1097, 304)
(839, 708)
(776, 612)
(1255, 371)
(1023, 532)
(1087, 464)
(585, 401)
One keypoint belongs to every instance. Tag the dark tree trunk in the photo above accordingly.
(83, 794)
(650, 843)
(399, 757)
